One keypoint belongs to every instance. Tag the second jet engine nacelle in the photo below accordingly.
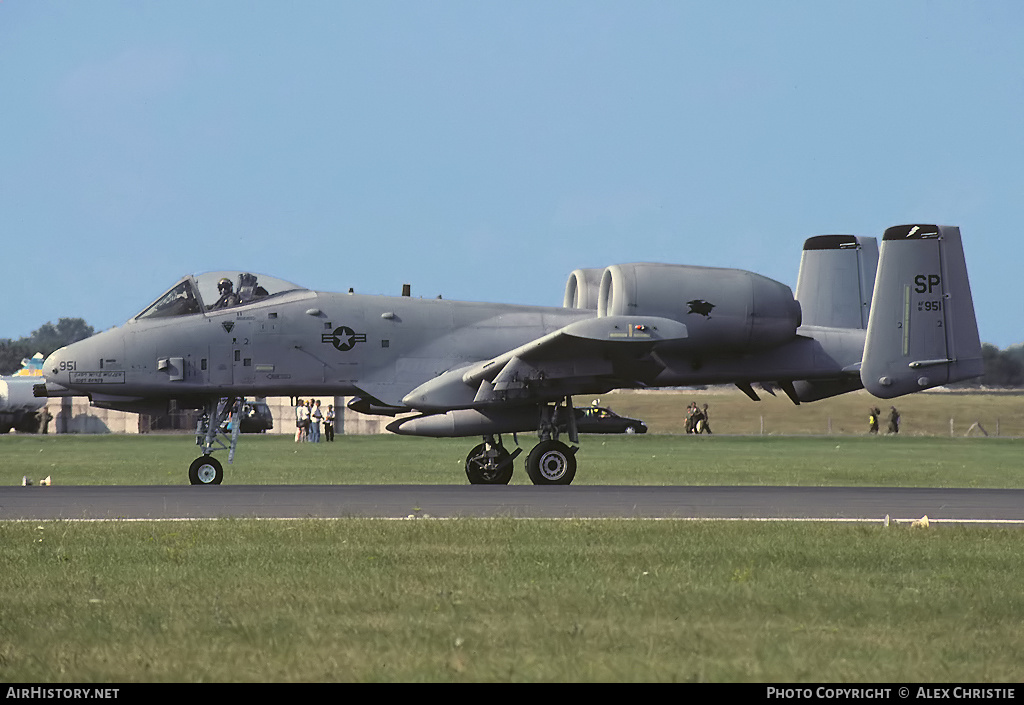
(723, 309)
(582, 288)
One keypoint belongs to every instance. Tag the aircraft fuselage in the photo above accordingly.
(299, 344)
(310, 343)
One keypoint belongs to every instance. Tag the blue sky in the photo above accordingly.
(484, 150)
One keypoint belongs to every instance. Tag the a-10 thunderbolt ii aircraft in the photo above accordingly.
(453, 368)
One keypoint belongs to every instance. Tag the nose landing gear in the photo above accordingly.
(214, 426)
(205, 470)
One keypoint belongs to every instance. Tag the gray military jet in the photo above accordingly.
(894, 319)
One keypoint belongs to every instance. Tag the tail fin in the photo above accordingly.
(922, 332)
(837, 274)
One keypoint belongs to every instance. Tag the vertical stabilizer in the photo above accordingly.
(837, 275)
(922, 331)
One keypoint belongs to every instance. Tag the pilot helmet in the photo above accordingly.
(224, 285)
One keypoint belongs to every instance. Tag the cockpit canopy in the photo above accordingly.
(215, 291)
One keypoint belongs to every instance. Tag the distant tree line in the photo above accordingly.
(1003, 368)
(47, 338)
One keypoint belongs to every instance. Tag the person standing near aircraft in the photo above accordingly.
(705, 426)
(873, 420)
(301, 421)
(329, 423)
(694, 417)
(316, 416)
(894, 420)
(44, 417)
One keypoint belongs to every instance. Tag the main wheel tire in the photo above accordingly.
(482, 470)
(205, 470)
(551, 463)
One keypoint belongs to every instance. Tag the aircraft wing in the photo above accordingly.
(595, 352)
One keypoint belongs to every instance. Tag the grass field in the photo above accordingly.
(508, 600)
(950, 414)
(524, 600)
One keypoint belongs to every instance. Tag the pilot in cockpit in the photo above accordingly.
(228, 297)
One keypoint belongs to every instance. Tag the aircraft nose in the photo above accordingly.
(72, 363)
(61, 363)
(52, 365)
(56, 374)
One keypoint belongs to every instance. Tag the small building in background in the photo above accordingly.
(76, 415)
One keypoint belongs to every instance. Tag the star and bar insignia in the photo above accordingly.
(343, 338)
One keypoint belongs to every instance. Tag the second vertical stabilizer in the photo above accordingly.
(837, 275)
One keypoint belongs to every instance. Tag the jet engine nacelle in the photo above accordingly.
(726, 309)
(582, 288)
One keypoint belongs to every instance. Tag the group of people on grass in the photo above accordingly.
(697, 420)
(308, 418)
(875, 415)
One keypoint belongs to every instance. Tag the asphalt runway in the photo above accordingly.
(998, 506)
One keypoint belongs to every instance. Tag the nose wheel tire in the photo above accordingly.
(205, 470)
(551, 463)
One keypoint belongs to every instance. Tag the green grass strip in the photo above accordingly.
(508, 600)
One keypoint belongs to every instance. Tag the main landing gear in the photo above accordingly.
(211, 432)
(489, 463)
(551, 462)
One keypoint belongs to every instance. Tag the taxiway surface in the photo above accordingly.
(450, 501)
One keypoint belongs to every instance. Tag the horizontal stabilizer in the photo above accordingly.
(922, 330)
